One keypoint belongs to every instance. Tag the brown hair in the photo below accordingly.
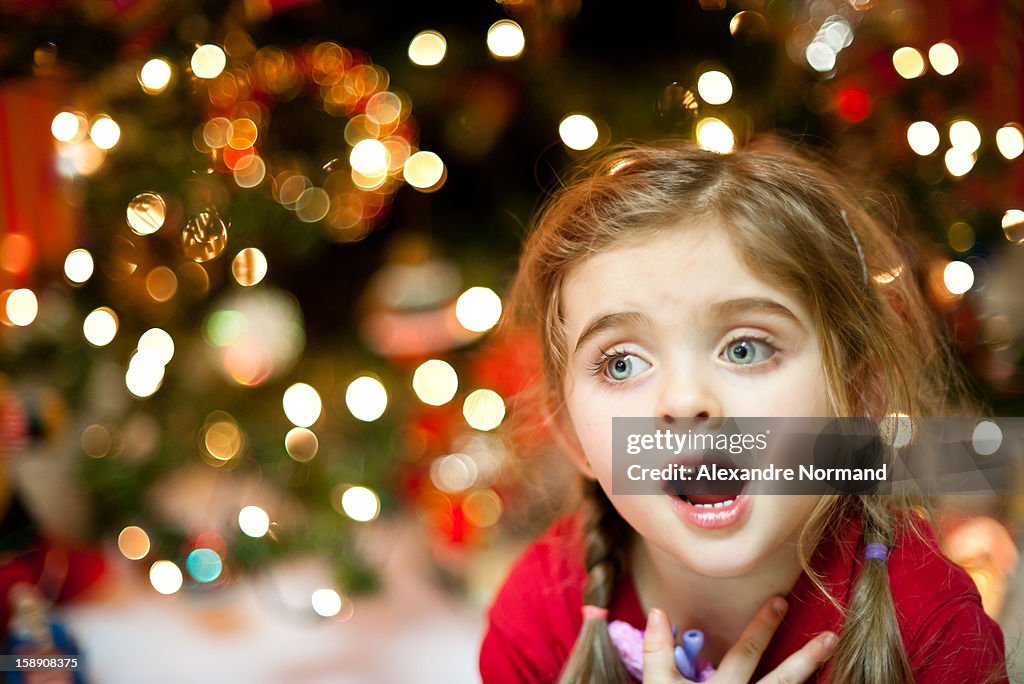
(794, 221)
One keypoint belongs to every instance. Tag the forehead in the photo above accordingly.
(670, 274)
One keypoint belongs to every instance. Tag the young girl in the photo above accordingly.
(673, 282)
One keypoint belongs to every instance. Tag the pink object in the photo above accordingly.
(630, 643)
(594, 612)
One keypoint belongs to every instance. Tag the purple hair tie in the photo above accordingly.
(876, 550)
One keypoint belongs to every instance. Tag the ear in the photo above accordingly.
(564, 432)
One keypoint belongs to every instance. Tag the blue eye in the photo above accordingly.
(625, 366)
(748, 351)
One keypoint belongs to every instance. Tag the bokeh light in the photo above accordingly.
(961, 236)
(326, 602)
(22, 307)
(165, 577)
(253, 521)
(302, 404)
(146, 213)
(423, 170)
(369, 157)
(964, 135)
(578, 132)
(986, 438)
(484, 409)
(301, 444)
(923, 137)
(17, 253)
(1013, 225)
(908, 62)
(483, 508)
(958, 277)
(959, 161)
(360, 503)
(820, 56)
(65, 126)
(161, 284)
(249, 267)
(96, 441)
(208, 61)
(157, 342)
(1010, 140)
(204, 565)
(435, 382)
(220, 438)
(204, 237)
(100, 327)
(133, 542)
(155, 75)
(478, 309)
(427, 48)
(505, 39)
(366, 398)
(104, 132)
(454, 473)
(943, 58)
(145, 374)
(78, 266)
(715, 135)
(714, 87)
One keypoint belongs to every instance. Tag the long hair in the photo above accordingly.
(795, 222)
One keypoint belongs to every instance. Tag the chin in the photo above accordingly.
(721, 564)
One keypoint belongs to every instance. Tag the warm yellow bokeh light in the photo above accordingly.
(146, 213)
(369, 157)
(484, 409)
(326, 602)
(435, 382)
(253, 521)
(366, 398)
(958, 277)
(505, 39)
(165, 577)
(578, 132)
(478, 309)
(100, 327)
(908, 62)
(64, 126)
(249, 267)
(157, 342)
(423, 170)
(714, 87)
(104, 132)
(302, 404)
(360, 503)
(959, 161)
(944, 58)
(964, 136)
(145, 374)
(715, 135)
(22, 307)
(78, 266)
(155, 75)
(427, 48)
(923, 137)
(133, 542)
(1010, 140)
(208, 61)
(301, 444)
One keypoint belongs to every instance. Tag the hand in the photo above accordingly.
(741, 660)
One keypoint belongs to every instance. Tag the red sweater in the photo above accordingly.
(535, 617)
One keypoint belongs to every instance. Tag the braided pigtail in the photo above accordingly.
(870, 648)
(594, 658)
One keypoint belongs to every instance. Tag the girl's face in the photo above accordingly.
(674, 324)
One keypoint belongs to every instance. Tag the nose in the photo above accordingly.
(686, 393)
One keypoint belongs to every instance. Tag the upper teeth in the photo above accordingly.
(720, 504)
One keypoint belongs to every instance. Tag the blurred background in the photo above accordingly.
(255, 424)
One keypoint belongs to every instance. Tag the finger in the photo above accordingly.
(659, 651)
(741, 660)
(802, 664)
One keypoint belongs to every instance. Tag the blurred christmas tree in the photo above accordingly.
(232, 250)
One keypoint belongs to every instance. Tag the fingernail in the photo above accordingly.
(779, 606)
(829, 642)
(652, 617)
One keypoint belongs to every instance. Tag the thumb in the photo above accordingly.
(659, 653)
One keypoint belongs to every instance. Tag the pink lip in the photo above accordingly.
(712, 518)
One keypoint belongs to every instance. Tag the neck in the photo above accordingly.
(719, 606)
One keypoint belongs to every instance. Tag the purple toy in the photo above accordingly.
(630, 643)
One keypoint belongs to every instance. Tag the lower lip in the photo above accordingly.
(712, 518)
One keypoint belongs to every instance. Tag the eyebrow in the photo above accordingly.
(720, 310)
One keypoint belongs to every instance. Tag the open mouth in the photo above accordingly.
(708, 492)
